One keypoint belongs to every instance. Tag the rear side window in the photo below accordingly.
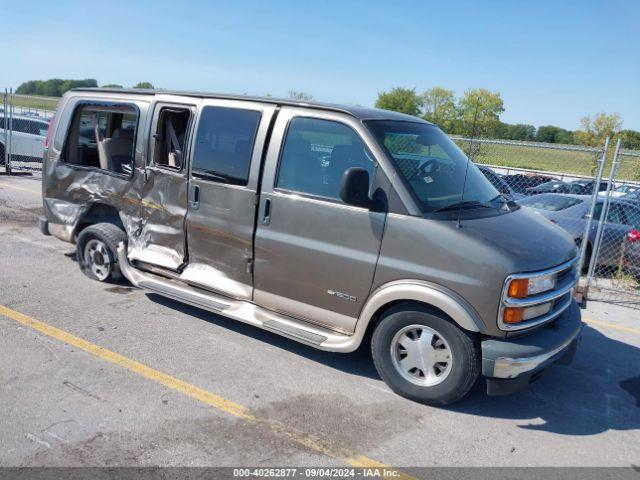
(552, 203)
(315, 155)
(224, 143)
(102, 136)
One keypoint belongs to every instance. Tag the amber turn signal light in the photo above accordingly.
(519, 288)
(513, 314)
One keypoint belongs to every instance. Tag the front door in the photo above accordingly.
(315, 257)
(161, 238)
(225, 167)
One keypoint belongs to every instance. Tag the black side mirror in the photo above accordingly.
(354, 189)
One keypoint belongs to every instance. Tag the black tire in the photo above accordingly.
(464, 353)
(1, 154)
(587, 259)
(109, 236)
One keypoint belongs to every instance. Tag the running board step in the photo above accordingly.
(241, 310)
(193, 298)
(294, 332)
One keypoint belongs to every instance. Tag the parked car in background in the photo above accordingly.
(624, 190)
(631, 260)
(499, 183)
(519, 182)
(27, 139)
(570, 211)
(555, 186)
(585, 187)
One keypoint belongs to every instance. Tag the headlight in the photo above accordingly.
(525, 287)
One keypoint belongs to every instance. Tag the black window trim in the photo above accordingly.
(313, 196)
(202, 174)
(151, 148)
(101, 103)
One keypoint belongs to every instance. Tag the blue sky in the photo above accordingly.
(552, 61)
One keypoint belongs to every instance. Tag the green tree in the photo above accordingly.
(553, 134)
(300, 96)
(479, 112)
(403, 100)
(54, 87)
(630, 139)
(440, 107)
(147, 85)
(112, 85)
(594, 131)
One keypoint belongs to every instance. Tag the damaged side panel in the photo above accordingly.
(71, 191)
(149, 202)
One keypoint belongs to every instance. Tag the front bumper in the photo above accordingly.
(513, 364)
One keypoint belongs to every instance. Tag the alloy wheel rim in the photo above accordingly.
(421, 355)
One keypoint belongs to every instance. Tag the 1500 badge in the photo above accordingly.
(344, 296)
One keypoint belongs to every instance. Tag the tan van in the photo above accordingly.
(326, 224)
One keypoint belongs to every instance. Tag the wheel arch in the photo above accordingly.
(98, 212)
(417, 292)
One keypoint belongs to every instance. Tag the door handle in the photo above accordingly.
(194, 201)
(266, 214)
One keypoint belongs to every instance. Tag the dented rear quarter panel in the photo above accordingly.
(69, 191)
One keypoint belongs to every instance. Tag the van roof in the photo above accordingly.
(361, 113)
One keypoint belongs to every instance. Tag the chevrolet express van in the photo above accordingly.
(326, 224)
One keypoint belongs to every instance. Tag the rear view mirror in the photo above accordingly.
(354, 189)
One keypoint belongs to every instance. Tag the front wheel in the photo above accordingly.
(423, 356)
(96, 251)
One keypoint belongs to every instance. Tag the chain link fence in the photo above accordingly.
(24, 121)
(614, 269)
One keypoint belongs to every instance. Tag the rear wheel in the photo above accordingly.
(96, 251)
(423, 356)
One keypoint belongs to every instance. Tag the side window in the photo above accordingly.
(315, 155)
(613, 215)
(632, 215)
(224, 143)
(170, 137)
(102, 136)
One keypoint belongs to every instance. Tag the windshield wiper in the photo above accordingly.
(466, 204)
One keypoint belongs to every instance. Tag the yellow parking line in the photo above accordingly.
(228, 406)
(611, 325)
(4, 185)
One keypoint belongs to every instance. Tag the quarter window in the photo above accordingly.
(103, 136)
(315, 155)
(224, 144)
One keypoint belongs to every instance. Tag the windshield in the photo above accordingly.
(432, 165)
(550, 202)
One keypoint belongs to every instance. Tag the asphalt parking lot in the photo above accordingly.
(98, 374)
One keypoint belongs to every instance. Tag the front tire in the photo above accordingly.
(96, 251)
(423, 356)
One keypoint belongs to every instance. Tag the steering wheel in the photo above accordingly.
(422, 169)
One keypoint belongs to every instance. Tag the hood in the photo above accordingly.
(529, 241)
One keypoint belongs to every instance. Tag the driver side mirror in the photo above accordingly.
(354, 189)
